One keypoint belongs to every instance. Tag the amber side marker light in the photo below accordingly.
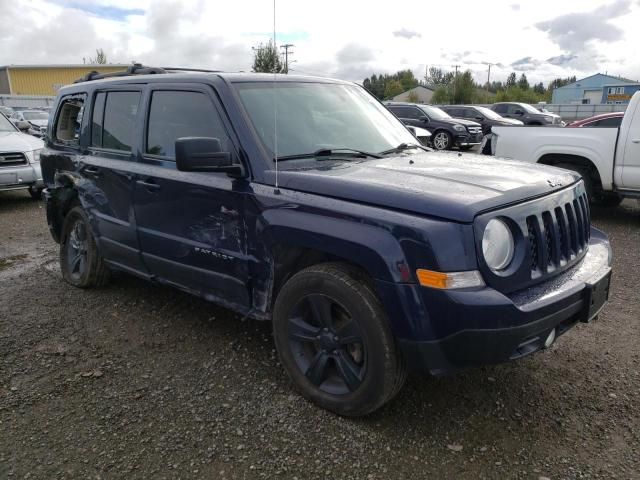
(449, 280)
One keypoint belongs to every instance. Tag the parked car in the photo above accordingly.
(604, 120)
(446, 132)
(37, 120)
(526, 114)
(19, 159)
(607, 158)
(485, 117)
(369, 253)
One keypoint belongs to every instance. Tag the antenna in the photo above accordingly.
(275, 105)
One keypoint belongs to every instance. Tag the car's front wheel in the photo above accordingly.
(441, 140)
(334, 341)
(80, 261)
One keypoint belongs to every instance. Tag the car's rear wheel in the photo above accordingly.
(334, 341)
(80, 261)
(441, 140)
(609, 199)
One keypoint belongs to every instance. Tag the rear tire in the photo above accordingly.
(80, 261)
(610, 199)
(334, 341)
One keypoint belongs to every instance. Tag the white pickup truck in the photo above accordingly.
(607, 158)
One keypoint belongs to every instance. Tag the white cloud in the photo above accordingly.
(350, 40)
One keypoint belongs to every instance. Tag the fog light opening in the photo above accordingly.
(550, 338)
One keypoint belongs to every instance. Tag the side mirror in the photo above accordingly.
(518, 112)
(479, 118)
(23, 125)
(424, 119)
(204, 154)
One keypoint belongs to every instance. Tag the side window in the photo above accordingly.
(456, 112)
(69, 120)
(400, 112)
(502, 108)
(414, 113)
(470, 113)
(177, 114)
(97, 119)
(120, 112)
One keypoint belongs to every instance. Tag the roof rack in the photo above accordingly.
(135, 69)
(138, 69)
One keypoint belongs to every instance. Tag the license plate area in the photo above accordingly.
(597, 294)
(8, 178)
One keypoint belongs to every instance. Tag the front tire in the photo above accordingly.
(334, 341)
(442, 140)
(80, 261)
(36, 193)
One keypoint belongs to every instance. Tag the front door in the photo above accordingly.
(190, 224)
(107, 166)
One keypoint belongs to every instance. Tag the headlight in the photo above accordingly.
(548, 119)
(459, 128)
(34, 156)
(497, 245)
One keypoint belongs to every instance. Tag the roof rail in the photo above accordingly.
(135, 69)
(181, 69)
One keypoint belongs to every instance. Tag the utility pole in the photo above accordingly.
(489, 78)
(454, 82)
(286, 47)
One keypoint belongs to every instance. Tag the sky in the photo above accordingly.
(350, 40)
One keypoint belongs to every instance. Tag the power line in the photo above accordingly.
(286, 47)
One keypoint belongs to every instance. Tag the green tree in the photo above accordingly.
(266, 59)
(511, 80)
(465, 88)
(523, 83)
(413, 97)
(393, 88)
(441, 96)
(539, 88)
(99, 59)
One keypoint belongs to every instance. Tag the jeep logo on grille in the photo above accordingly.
(554, 182)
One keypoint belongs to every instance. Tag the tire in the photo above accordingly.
(334, 340)
(36, 193)
(80, 261)
(610, 199)
(442, 140)
(586, 177)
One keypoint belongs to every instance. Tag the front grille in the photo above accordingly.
(474, 130)
(558, 236)
(12, 159)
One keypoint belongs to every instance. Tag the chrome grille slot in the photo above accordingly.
(571, 218)
(12, 159)
(533, 242)
(563, 233)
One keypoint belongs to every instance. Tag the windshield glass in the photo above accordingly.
(489, 113)
(6, 125)
(434, 113)
(314, 116)
(35, 115)
(529, 108)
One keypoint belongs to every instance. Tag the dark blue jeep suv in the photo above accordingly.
(304, 201)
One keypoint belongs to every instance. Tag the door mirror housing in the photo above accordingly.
(204, 154)
(518, 112)
(424, 119)
(479, 118)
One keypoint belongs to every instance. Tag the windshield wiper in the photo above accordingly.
(331, 152)
(402, 147)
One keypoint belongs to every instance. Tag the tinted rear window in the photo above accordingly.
(119, 121)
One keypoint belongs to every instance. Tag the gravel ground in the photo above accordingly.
(138, 381)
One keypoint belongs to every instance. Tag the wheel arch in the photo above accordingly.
(577, 160)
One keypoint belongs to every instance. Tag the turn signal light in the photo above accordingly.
(449, 280)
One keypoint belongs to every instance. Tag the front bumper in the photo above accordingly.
(22, 176)
(466, 139)
(473, 328)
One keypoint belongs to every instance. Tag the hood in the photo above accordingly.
(448, 185)
(508, 121)
(459, 121)
(19, 142)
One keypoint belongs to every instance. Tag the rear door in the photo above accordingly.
(108, 165)
(190, 224)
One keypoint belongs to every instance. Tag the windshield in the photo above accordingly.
(489, 113)
(528, 108)
(35, 115)
(434, 113)
(6, 125)
(315, 116)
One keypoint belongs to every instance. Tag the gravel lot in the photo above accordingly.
(138, 381)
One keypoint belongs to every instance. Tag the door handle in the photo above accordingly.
(636, 140)
(149, 185)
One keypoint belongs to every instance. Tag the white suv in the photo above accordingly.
(19, 159)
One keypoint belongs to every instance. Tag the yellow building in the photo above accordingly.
(45, 79)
